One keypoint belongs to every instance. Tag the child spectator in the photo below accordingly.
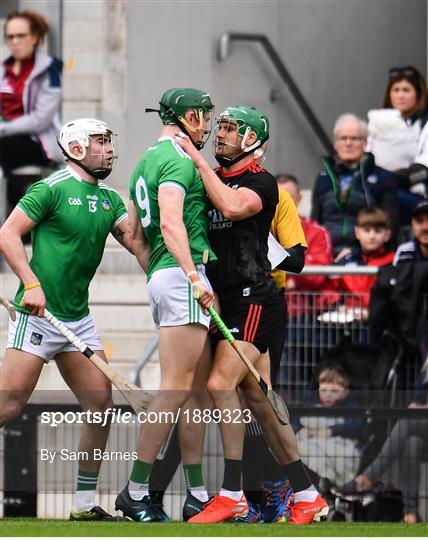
(328, 444)
(353, 291)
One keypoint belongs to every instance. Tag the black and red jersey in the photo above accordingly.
(241, 246)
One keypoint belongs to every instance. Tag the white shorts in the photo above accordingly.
(171, 299)
(37, 336)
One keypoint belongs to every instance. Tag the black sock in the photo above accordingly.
(258, 463)
(164, 469)
(297, 474)
(232, 474)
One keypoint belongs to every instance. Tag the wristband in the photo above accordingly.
(195, 289)
(193, 276)
(32, 285)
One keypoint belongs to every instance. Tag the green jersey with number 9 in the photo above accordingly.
(167, 163)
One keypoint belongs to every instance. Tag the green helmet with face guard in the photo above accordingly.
(247, 120)
(174, 105)
(176, 102)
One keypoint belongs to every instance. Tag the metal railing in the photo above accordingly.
(223, 51)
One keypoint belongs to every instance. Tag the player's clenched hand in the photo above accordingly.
(34, 301)
(203, 294)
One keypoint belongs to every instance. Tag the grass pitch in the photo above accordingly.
(56, 527)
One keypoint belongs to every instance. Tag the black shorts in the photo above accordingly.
(252, 314)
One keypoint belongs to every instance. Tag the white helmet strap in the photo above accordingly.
(247, 149)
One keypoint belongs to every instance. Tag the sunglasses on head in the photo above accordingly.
(407, 71)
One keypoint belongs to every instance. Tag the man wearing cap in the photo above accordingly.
(417, 249)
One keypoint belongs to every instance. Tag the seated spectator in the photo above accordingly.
(372, 232)
(30, 100)
(349, 182)
(328, 444)
(318, 252)
(417, 249)
(398, 136)
(407, 443)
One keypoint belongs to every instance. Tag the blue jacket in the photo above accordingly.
(369, 185)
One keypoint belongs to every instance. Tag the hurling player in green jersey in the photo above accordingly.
(168, 205)
(70, 215)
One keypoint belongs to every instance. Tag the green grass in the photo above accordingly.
(44, 527)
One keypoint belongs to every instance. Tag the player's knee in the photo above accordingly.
(100, 400)
(217, 383)
(10, 410)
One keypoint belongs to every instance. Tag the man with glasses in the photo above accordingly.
(349, 182)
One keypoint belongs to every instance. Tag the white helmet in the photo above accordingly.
(80, 130)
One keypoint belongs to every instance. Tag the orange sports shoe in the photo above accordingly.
(306, 512)
(221, 509)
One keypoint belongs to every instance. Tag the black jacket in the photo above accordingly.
(370, 186)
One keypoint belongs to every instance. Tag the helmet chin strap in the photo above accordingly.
(100, 173)
(184, 126)
(226, 162)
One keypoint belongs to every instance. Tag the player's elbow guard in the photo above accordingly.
(295, 260)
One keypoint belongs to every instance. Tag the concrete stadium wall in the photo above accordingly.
(120, 55)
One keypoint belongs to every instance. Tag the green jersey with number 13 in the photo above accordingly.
(167, 163)
(73, 219)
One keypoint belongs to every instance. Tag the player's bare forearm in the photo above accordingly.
(177, 242)
(234, 204)
(139, 242)
(12, 247)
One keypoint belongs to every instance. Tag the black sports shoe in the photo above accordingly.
(94, 514)
(156, 502)
(193, 506)
(136, 510)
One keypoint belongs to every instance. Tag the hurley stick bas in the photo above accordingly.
(135, 396)
(276, 402)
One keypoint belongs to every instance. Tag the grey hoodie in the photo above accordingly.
(42, 105)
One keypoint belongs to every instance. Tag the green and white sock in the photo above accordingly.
(195, 481)
(138, 485)
(84, 497)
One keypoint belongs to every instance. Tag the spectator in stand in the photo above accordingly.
(417, 249)
(398, 136)
(372, 232)
(349, 182)
(329, 443)
(30, 100)
(407, 443)
(318, 252)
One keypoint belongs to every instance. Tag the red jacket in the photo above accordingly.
(358, 286)
(319, 252)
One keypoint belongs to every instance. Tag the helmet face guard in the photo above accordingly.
(246, 120)
(82, 131)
